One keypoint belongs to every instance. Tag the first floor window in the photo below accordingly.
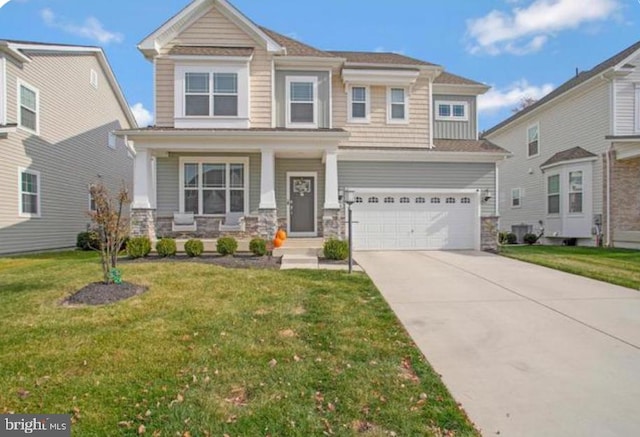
(553, 194)
(575, 192)
(516, 197)
(214, 188)
(397, 105)
(29, 193)
(28, 108)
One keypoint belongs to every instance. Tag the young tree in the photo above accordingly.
(525, 102)
(111, 225)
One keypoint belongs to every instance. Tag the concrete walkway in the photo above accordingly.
(527, 350)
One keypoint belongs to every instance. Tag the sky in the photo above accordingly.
(521, 48)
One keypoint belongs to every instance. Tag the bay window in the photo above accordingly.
(575, 192)
(214, 186)
(553, 194)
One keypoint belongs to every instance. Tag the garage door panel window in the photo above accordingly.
(465, 200)
(451, 200)
(389, 200)
(373, 200)
(421, 200)
(435, 200)
(553, 194)
(405, 200)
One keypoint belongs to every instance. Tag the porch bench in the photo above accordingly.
(184, 222)
(233, 222)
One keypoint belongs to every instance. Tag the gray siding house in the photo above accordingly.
(252, 123)
(575, 169)
(59, 107)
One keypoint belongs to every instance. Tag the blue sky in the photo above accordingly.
(522, 48)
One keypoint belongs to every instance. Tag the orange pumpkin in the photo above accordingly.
(281, 235)
(277, 242)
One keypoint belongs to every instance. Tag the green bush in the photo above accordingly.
(226, 246)
(258, 246)
(138, 247)
(336, 249)
(194, 248)
(530, 239)
(510, 238)
(88, 240)
(166, 247)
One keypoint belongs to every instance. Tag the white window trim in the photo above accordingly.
(90, 207)
(546, 186)
(367, 102)
(405, 120)
(307, 79)
(111, 141)
(570, 192)
(93, 78)
(451, 104)
(241, 121)
(3, 90)
(22, 83)
(531, 126)
(37, 174)
(519, 197)
(214, 160)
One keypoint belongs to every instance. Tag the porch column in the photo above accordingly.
(267, 181)
(142, 183)
(331, 181)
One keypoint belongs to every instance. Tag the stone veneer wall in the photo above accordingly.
(489, 234)
(143, 223)
(333, 224)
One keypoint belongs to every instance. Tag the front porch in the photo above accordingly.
(289, 182)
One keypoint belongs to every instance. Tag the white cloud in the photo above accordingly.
(510, 97)
(527, 29)
(3, 2)
(91, 28)
(143, 116)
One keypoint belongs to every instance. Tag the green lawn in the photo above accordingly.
(617, 266)
(213, 351)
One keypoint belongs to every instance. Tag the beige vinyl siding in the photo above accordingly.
(427, 175)
(298, 165)
(70, 152)
(626, 118)
(214, 29)
(455, 130)
(168, 181)
(379, 133)
(581, 119)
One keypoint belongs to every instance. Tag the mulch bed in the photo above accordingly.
(99, 293)
(237, 261)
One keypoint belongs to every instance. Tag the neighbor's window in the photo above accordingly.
(301, 101)
(29, 193)
(397, 109)
(452, 111)
(212, 188)
(28, 110)
(516, 198)
(533, 141)
(575, 192)
(553, 194)
(209, 94)
(359, 105)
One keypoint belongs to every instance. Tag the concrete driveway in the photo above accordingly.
(526, 350)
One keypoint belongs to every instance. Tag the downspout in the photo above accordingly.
(608, 160)
(431, 113)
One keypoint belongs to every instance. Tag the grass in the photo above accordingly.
(214, 351)
(616, 266)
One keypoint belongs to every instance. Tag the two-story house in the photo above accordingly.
(575, 169)
(252, 123)
(59, 107)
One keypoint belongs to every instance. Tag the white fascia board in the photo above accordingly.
(309, 140)
(305, 62)
(460, 90)
(380, 77)
(11, 50)
(418, 156)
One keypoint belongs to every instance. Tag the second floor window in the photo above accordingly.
(301, 102)
(452, 111)
(359, 104)
(533, 141)
(211, 94)
(28, 107)
(397, 110)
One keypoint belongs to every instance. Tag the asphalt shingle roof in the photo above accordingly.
(379, 58)
(568, 155)
(446, 78)
(295, 48)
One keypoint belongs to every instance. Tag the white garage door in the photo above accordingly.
(418, 221)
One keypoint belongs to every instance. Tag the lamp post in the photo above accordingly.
(349, 199)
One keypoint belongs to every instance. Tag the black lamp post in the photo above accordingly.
(349, 199)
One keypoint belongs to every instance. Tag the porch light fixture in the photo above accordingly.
(349, 197)
(486, 195)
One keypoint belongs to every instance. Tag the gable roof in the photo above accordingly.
(22, 50)
(294, 47)
(572, 83)
(151, 45)
(369, 58)
(568, 155)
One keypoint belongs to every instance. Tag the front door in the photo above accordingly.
(301, 189)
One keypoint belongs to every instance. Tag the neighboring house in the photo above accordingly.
(252, 123)
(59, 106)
(575, 169)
